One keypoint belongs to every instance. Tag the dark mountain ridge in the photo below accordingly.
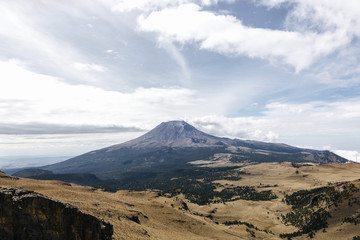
(177, 144)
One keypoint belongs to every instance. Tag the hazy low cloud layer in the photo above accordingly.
(41, 128)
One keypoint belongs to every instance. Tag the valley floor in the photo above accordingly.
(150, 215)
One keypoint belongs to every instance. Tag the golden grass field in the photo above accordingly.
(163, 218)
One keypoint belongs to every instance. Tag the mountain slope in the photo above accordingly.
(176, 144)
(181, 134)
(31, 172)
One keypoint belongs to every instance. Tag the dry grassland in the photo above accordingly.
(146, 215)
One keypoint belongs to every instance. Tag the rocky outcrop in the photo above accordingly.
(26, 215)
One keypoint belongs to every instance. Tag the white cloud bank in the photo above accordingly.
(285, 119)
(28, 97)
(313, 29)
(312, 125)
(350, 155)
(227, 35)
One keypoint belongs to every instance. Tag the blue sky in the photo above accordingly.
(78, 75)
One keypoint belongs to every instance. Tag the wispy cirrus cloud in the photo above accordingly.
(25, 35)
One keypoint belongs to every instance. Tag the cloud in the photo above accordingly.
(32, 103)
(45, 128)
(312, 124)
(240, 127)
(151, 5)
(350, 155)
(24, 37)
(70, 49)
(189, 23)
(58, 60)
(177, 56)
(89, 67)
(321, 16)
(35, 145)
(341, 19)
(27, 97)
(9, 163)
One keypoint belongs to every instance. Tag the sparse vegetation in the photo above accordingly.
(252, 233)
(310, 208)
(267, 186)
(196, 184)
(246, 193)
(249, 225)
(353, 219)
(201, 190)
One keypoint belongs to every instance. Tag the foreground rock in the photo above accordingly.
(28, 215)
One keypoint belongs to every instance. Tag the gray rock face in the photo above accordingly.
(26, 215)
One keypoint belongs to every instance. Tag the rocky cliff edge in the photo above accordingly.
(26, 215)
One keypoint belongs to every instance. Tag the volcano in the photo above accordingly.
(177, 144)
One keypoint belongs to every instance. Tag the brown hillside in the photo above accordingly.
(146, 215)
